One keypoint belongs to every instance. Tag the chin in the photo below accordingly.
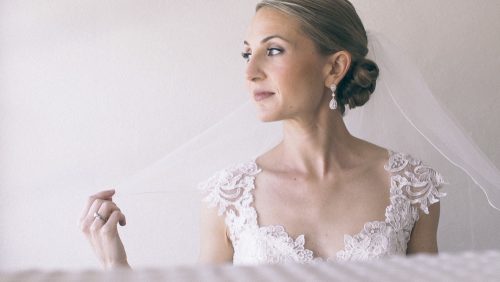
(265, 119)
(267, 113)
(267, 116)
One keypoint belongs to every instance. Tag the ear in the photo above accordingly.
(336, 67)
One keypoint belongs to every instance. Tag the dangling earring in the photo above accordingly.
(333, 102)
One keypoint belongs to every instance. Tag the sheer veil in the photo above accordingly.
(402, 115)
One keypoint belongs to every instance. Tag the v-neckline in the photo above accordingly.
(387, 164)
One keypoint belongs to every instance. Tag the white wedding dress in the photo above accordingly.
(414, 186)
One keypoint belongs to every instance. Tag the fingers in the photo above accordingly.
(103, 195)
(122, 220)
(106, 210)
(87, 222)
(101, 231)
(104, 207)
(111, 225)
(111, 216)
(96, 226)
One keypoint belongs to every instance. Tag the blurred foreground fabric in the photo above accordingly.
(466, 266)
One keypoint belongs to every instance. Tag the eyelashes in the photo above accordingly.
(246, 56)
(270, 52)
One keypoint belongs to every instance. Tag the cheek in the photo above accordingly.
(300, 84)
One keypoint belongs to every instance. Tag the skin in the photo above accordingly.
(335, 180)
(103, 234)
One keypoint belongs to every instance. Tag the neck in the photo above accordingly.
(318, 146)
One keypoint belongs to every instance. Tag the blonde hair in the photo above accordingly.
(334, 25)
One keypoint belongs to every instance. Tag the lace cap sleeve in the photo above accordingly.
(420, 183)
(228, 188)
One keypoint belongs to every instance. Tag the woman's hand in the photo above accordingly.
(98, 222)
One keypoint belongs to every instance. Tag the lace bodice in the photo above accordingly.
(414, 186)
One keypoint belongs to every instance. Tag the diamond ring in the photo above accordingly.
(97, 215)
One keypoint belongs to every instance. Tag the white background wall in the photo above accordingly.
(87, 89)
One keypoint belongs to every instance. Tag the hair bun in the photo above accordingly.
(358, 84)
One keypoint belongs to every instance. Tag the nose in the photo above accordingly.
(254, 70)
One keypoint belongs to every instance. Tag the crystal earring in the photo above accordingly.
(333, 102)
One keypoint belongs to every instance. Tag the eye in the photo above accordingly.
(246, 55)
(270, 52)
(274, 51)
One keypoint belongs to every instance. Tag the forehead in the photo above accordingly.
(269, 21)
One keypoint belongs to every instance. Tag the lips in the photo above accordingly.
(261, 95)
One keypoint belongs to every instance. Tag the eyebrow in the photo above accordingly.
(269, 38)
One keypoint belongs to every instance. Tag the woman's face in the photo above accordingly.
(285, 73)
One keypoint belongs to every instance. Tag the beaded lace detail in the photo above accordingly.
(414, 185)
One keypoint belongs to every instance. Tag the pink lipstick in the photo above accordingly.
(261, 95)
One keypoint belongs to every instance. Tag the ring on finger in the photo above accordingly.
(97, 215)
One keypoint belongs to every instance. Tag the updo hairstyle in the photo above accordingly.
(334, 25)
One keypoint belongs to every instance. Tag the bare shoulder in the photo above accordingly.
(370, 151)
(372, 157)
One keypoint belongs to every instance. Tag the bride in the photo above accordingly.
(321, 193)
